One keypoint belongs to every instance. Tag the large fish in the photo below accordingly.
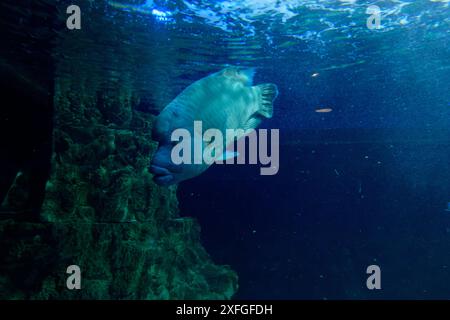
(223, 100)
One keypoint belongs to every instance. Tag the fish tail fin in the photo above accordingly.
(268, 93)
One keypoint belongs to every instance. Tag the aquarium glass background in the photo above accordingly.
(363, 113)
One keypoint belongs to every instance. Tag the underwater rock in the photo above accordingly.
(117, 261)
(101, 210)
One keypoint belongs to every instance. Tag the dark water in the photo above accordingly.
(367, 183)
(311, 231)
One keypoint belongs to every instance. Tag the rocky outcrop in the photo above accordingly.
(101, 210)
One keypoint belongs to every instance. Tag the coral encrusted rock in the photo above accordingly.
(101, 210)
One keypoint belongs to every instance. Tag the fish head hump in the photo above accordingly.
(241, 75)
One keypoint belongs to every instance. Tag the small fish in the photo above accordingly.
(342, 66)
(324, 110)
(223, 100)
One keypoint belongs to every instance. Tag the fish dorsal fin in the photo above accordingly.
(267, 94)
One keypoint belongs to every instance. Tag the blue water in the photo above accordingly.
(367, 183)
(311, 231)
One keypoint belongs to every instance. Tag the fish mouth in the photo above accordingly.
(164, 181)
(159, 171)
(162, 176)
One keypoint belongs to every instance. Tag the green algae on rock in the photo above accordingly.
(101, 210)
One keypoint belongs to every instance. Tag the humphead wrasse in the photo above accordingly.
(223, 100)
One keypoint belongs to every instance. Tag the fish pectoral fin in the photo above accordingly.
(229, 155)
(268, 93)
(218, 155)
